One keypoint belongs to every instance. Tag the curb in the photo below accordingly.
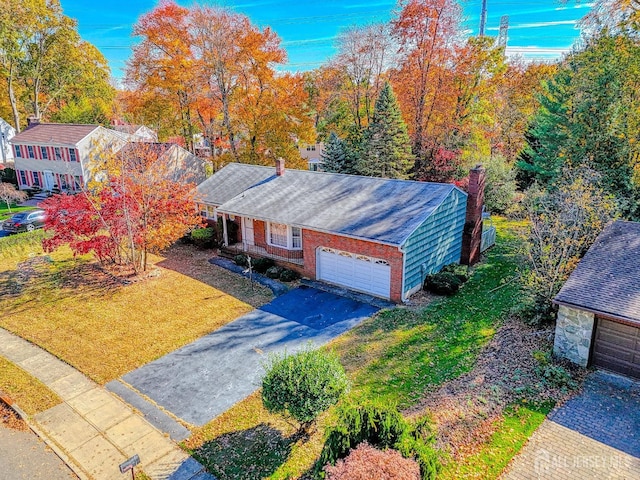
(48, 442)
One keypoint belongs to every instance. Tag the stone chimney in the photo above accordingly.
(280, 166)
(32, 121)
(472, 235)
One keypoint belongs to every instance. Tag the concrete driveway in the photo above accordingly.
(593, 436)
(205, 378)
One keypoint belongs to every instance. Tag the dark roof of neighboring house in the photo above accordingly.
(378, 209)
(59, 133)
(607, 279)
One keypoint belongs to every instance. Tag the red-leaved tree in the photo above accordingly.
(141, 206)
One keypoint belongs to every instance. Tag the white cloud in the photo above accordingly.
(538, 52)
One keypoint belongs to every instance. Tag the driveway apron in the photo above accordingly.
(593, 436)
(205, 378)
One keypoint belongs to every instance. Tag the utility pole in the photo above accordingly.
(483, 17)
(504, 30)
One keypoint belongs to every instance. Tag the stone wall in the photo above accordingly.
(574, 330)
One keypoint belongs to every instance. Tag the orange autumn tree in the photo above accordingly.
(136, 206)
(161, 71)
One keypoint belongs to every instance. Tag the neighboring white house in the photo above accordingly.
(6, 133)
(57, 155)
(312, 154)
(140, 133)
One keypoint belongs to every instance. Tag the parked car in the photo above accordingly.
(25, 221)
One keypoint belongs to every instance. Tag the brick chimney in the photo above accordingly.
(32, 121)
(280, 166)
(472, 235)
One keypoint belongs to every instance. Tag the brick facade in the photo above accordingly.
(472, 235)
(311, 240)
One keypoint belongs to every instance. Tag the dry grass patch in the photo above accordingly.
(28, 392)
(104, 326)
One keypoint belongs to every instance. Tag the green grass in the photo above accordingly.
(400, 355)
(512, 432)
(4, 211)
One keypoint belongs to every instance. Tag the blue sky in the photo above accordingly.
(537, 29)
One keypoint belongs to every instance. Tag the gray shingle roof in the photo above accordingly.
(607, 279)
(230, 181)
(377, 209)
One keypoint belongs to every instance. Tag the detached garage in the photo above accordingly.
(599, 305)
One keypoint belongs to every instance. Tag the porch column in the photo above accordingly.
(225, 236)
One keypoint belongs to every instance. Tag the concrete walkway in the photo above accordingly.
(594, 436)
(93, 428)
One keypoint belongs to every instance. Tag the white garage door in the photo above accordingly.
(358, 272)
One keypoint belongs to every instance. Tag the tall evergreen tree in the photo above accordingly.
(386, 150)
(334, 155)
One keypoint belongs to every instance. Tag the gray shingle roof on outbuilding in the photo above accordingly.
(374, 209)
(607, 279)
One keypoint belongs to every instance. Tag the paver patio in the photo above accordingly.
(594, 436)
(203, 379)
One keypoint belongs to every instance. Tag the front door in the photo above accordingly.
(49, 181)
(248, 231)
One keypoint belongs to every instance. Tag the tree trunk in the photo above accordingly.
(13, 101)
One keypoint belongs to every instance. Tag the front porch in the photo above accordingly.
(288, 256)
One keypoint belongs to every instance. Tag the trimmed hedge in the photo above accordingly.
(274, 272)
(303, 385)
(203, 237)
(261, 265)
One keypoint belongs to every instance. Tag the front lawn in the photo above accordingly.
(104, 326)
(28, 392)
(4, 211)
(402, 356)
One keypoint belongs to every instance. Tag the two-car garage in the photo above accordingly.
(356, 272)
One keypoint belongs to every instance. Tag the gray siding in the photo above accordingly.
(437, 242)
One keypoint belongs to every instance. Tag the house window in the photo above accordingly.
(280, 235)
(36, 179)
(72, 155)
(43, 153)
(58, 153)
(208, 211)
(31, 152)
(296, 238)
(23, 178)
(18, 152)
(77, 182)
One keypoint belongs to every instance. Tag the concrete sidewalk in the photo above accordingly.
(93, 428)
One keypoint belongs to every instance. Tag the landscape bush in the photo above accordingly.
(289, 275)
(382, 426)
(443, 283)
(460, 271)
(274, 272)
(303, 385)
(241, 260)
(203, 237)
(261, 265)
(366, 462)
